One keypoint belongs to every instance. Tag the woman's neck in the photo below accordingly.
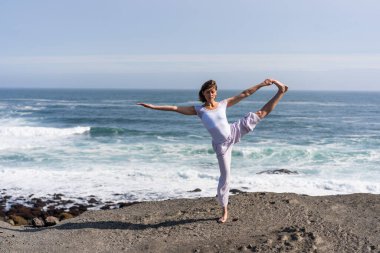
(211, 104)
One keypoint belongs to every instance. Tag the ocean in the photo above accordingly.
(86, 143)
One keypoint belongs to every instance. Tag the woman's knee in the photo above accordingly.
(261, 114)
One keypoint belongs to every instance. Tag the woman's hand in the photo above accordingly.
(146, 105)
(268, 82)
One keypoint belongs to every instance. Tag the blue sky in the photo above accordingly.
(310, 45)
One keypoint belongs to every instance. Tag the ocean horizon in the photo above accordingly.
(86, 143)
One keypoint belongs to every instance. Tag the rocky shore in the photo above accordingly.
(50, 209)
(39, 212)
(259, 222)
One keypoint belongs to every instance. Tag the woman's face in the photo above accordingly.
(210, 94)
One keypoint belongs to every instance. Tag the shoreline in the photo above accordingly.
(258, 222)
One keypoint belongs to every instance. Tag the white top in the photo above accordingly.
(215, 121)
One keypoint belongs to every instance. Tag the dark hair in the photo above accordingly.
(207, 85)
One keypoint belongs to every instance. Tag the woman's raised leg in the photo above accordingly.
(268, 107)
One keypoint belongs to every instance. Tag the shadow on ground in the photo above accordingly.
(114, 225)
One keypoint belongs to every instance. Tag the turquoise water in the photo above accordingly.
(99, 142)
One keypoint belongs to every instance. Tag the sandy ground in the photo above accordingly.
(259, 222)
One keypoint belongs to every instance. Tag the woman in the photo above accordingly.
(224, 135)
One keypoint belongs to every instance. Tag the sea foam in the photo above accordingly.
(31, 131)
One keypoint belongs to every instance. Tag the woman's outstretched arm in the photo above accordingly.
(248, 92)
(186, 110)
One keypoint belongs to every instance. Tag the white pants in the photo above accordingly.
(224, 150)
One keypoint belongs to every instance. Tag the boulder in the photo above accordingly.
(37, 202)
(37, 222)
(51, 221)
(74, 210)
(20, 210)
(92, 201)
(11, 222)
(65, 216)
(18, 220)
(106, 207)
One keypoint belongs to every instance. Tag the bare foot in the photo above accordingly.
(224, 218)
(281, 87)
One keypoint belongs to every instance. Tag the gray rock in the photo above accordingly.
(196, 190)
(92, 201)
(280, 171)
(236, 191)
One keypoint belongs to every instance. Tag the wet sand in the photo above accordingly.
(258, 222)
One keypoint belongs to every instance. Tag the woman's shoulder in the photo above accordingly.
(224, 102)
(198, 108)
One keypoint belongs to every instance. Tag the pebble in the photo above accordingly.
(292, 201)
(253, 248)
(284, 237)
(318, 239)
(242, 248)
(295, 237)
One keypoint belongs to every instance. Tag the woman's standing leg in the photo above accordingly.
(223, 191)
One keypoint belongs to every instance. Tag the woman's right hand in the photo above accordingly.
(146, 105)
